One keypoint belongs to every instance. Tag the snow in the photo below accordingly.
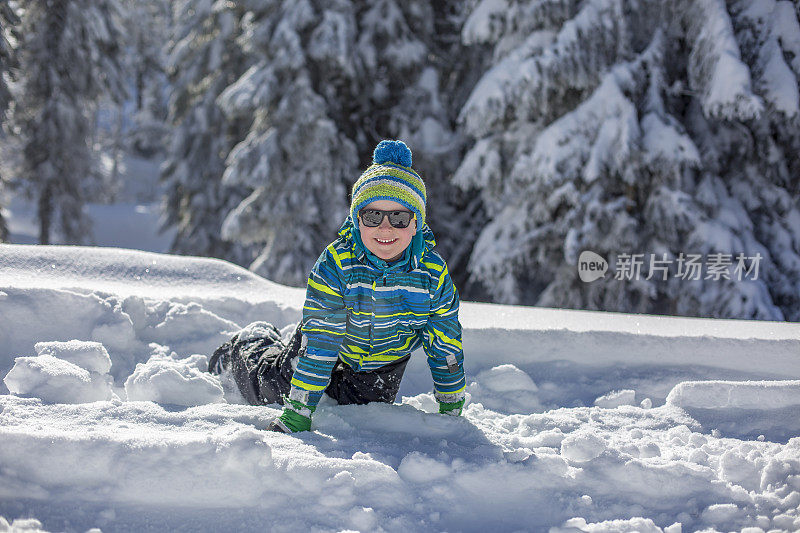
(764, 395)
(128, 223)
(616, 398)
(506, 388)
(582, 447)
(716, 68)
(664, 141)
(184, 382)
(57, 381)
(90, 356)
(788, 29)
(575, 421)
(485, 21)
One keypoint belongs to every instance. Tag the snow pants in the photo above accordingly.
(262, 367)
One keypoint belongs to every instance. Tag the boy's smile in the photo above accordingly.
(386, 241)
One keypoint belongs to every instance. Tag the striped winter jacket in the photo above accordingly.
(369, 315)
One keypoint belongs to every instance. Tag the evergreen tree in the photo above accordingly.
(69, 59)
(149, 23)
(8, 22)
(649, 127)
(203, 58)
(294, 159)
(328, 80)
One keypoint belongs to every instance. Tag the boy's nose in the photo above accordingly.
(385, 223)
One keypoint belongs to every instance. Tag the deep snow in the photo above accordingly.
(577, 421)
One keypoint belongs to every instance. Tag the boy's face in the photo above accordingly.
(386, 241)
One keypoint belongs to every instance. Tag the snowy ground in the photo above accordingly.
(133, 221)
(577, 421)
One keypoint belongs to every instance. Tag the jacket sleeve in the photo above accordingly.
(442, 341)
(324, 325)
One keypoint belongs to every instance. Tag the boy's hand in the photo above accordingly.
(453, 409)
(293, 418)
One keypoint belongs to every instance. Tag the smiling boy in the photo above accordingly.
(386, 241)
(376, 294)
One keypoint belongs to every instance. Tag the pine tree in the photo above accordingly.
(69, 60)
(148, 23)
(294, 159)
(8, 61)
(425, 112)
(328, 80)
(203, 58)
(9, 20)
(650, 127)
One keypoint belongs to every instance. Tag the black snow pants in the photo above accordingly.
(262, 367)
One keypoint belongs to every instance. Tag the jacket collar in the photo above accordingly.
(422, 243)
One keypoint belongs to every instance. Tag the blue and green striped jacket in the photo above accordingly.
(368, 314)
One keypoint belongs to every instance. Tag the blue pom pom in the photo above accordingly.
(392, 152)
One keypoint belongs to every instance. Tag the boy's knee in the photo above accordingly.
(381, 385)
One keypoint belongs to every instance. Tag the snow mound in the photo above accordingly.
(505, 388)
(763, 409)
(21, 525)
(636, 524)
(186, 321)
(761, 395)
(616, 398)
(182, 382)
(259, 330)
(54, 380)
(136, 273)
(419, 468)
(582, 447)
(89, 355)
(145, 467)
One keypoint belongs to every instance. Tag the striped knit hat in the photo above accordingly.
(390, 177)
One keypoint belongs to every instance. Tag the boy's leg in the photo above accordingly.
(274, 374)
(350, 387)
(220, 359)
(248, 341)
(248, 354)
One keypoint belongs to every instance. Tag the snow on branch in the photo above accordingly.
(599, 136)
(255, 89)
(715, 68)
(767, 29)
(546, 65)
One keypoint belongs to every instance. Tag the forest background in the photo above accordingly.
(662, 136)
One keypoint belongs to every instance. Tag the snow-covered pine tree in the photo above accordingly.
(424, 112)
(329, 79)
(8, 60)
(69, 59)
(203, 58)
(294, 159)
(149, 23)
(8, 23)
(647, 127)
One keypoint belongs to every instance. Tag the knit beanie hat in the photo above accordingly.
(390, 177)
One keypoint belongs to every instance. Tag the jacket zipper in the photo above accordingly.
(372, 319)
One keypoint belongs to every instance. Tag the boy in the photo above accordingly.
(375, 294)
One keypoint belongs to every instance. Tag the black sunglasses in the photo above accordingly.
(372, 218)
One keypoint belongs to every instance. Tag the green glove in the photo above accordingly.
(452, 409)
(291, 420)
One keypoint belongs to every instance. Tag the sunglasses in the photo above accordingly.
(372, 218)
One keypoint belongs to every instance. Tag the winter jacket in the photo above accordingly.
(368, 313)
